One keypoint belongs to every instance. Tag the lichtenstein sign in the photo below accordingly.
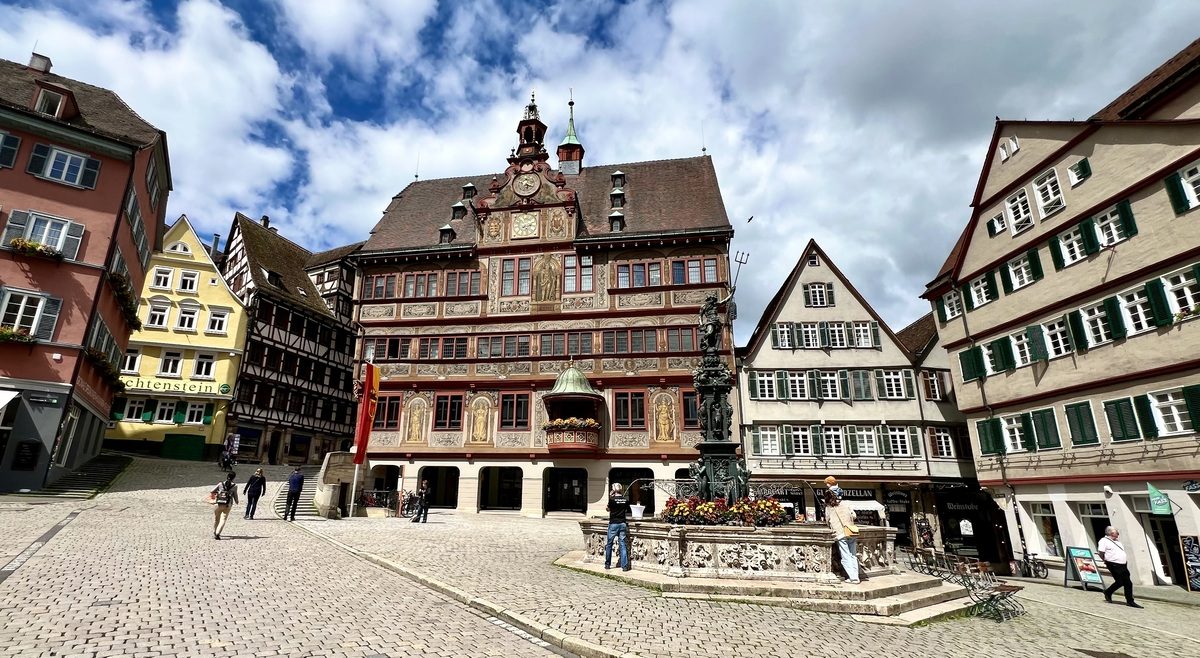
(175, 386)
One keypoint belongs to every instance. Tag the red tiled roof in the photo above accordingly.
(917, 336)
(100, 110)
(1136, 101)
(660, 195)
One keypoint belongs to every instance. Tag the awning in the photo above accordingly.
(6, 397)
(864, 505)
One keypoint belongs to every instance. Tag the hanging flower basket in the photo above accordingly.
(123, 289)
(9, 335)
(107, 371)
(31, 248)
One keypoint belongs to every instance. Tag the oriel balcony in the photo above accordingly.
(572, 407)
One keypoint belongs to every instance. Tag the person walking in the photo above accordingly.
(841, 521)
(223, 496)
(1114, 557)
(295, 486)
(422, 514)
(256, 486)
(618, 528)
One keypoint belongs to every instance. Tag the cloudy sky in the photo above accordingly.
(862, 125)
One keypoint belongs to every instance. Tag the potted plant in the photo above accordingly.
(123, 290)
(11, 335)
(32, 248)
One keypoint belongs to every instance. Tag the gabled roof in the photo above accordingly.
(100, 111)
(332, 255)
(1139, 100)
(660, 196)
(919, 336)
(183, 226)
(767, 319)
(267, 251)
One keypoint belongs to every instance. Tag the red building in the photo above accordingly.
(83, 194)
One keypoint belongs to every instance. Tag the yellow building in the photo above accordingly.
(180, 367)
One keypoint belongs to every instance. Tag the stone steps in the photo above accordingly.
(886, 606)
(305, 508)
(86, 481)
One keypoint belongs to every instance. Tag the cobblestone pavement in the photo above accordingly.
(138, 573)
(508, 561)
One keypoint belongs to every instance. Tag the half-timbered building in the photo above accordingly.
(535, 328)
(293, 401)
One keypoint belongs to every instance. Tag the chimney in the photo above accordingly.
(216, 243)
(39, 63)
(266, 221)
(274, 229)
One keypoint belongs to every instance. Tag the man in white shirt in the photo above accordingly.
(1114, 557)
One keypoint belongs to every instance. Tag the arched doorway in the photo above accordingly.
(500, 488)
(386, 478)
(443, 486)
(565, 490)
(643, 493)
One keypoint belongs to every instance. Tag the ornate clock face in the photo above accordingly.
(526, 184)
(524, 225)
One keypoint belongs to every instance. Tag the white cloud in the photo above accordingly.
(363, 34)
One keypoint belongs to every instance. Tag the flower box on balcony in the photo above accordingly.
(31, 248)
(572, 440)
(9, 335)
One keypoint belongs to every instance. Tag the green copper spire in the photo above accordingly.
(571, 137)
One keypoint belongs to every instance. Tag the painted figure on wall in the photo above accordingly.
(416, 422)
(664, 415)
(480, 411)
(546, 279)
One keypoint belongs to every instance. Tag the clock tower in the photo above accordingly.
(532, 134)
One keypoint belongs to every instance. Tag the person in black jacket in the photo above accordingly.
(422, 515)
(255, 487)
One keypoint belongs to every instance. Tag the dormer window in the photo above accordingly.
(458, 210)
(302, 292)
(617, 197)
(275, 279)
(179, 248)
(468, 191)
(446, 234)
(618, 179)
(49, 102)
(616, 221)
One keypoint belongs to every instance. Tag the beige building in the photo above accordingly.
(1066, 307)
(827, 388)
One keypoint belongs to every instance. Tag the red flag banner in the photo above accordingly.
(366, 411)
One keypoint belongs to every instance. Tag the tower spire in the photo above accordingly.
(571, 137)
(570, 151)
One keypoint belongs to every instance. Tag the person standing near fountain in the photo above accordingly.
(841, 521)
(618, 527)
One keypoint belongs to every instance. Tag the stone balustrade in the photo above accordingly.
(572, 440)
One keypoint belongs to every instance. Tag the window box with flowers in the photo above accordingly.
(123, 289)
(105, 368)
(32, 248)
(572, 434)
(10, 335)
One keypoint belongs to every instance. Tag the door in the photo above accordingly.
(566, 490)
(183, 446)
(1165, 536)
(273, 450)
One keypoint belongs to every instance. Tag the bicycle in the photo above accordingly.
(408, 503)
(1030, 567)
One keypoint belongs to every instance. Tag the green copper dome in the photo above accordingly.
(572, 382)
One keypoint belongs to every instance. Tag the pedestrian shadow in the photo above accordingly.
(231, 537)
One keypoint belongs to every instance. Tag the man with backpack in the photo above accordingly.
(223, 496)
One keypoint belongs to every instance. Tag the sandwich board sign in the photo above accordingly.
(1082, 563)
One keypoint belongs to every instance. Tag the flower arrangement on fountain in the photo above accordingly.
(11, 335)
(743, 512)
(571, 423)
(33, 248)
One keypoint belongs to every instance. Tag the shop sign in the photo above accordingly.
(962, 507)
(174, 385)
(1191, 486)
(897, 497)
(1082, 563)
(1190, 546)
(858, 494)
(1159, 503)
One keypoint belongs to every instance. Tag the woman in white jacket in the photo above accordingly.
(841, 521)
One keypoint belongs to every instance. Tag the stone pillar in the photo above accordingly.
(468, 489)
(533, 491)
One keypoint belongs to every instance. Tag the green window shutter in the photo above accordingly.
(914, 441)
(991, 228)
(1179, 200)
(807, 297)
(148, 411)
(1157, 294)
(208, 414)
(1145, 416)
(1006, 279)
(752, 382)
(1035, 264)
(1121, 420)
(1084, 169)
(814, 384)
(990, 282)
(967, 300)
(883, 441)
(848, 327)
(851, 434)
(818, 442)
(829, 294)
(1091, 243)
(796, 335)
(910, 386)
(786, 442)
(774, 338)
(180, 412)
(985, 441)
(844, 384)
(966, 360)
(997, 435)
(1037, 343)
(823, 331)
(941, 310)
(1125, 212)
(1191, 398)
(1081, 424)
(1112, 315)
(875, 335)
(755, 441)
(1056, 255)
(880, 389)
(861, 380)
(118, 408)
(781, 387)
(1005, 359)
(1046, 429)
(1078, 333)
(1028, 436)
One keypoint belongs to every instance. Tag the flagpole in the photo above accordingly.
(353, 490)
